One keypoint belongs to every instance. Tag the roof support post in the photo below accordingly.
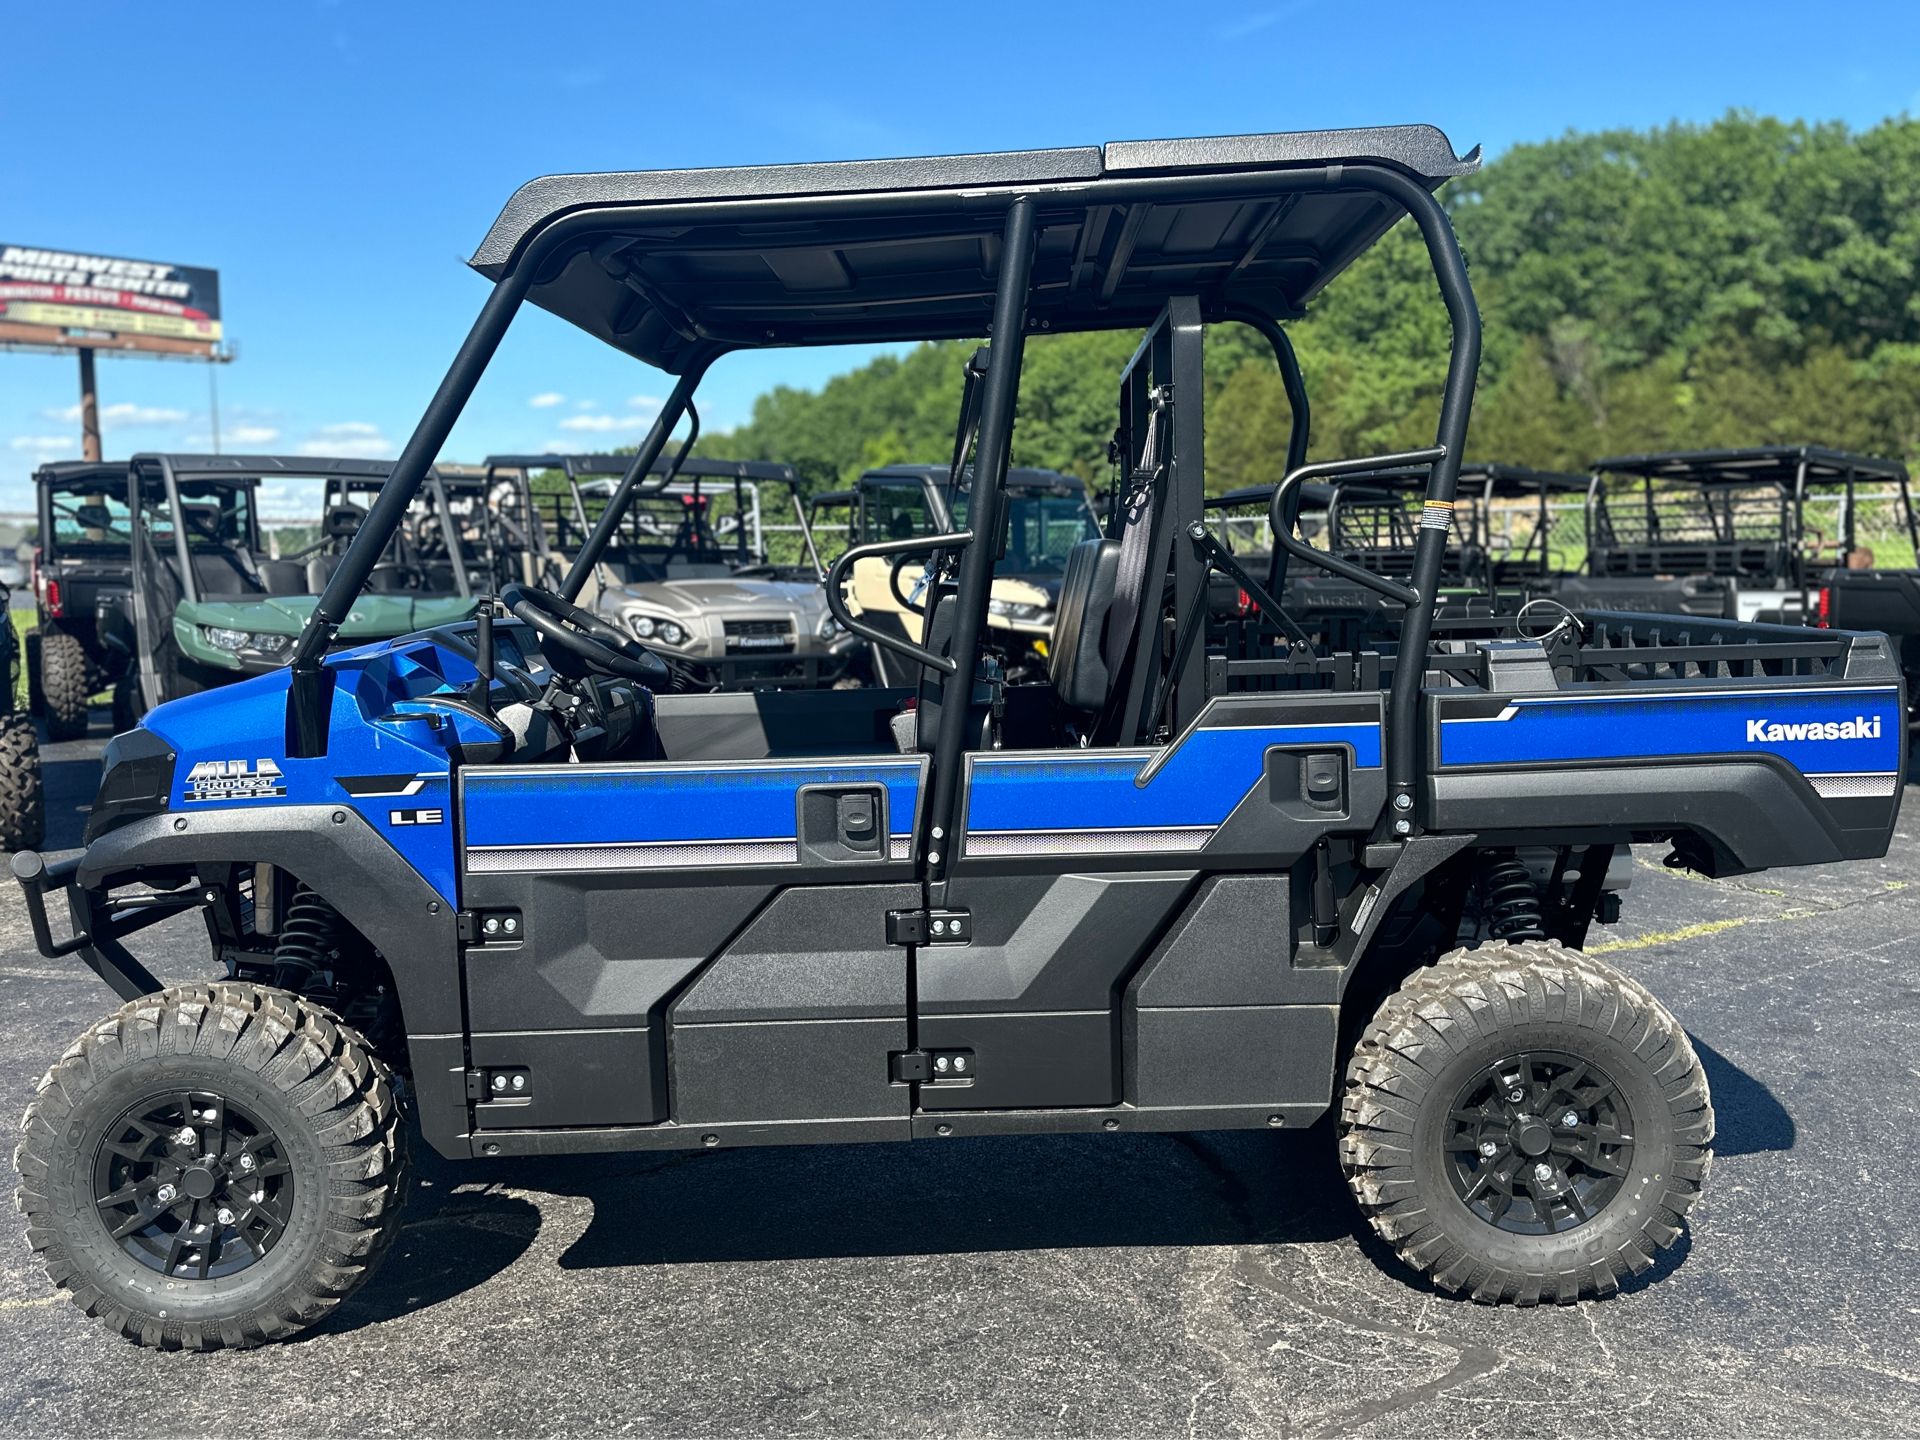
(1450, 437)
(992, 453)
(309, 697)
(650, 448)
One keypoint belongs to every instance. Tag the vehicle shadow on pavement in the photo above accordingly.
(1748, 1118)
(959, 1196)
(859, 1201)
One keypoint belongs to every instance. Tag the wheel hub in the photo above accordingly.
(192, 1185)
(1538, 1142)
(1532, 1137)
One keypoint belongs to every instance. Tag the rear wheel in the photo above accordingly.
(64, 684)
(214, 1166)
(36, 702)
(23, 806)
(1523, 1122)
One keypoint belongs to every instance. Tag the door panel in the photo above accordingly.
(1032, 996)
(1073, 865)
(625, 880)
(796, 1019)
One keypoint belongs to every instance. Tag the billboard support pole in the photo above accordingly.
(89, 407)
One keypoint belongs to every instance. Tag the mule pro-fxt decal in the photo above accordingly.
(1845, 740)
(256, 779)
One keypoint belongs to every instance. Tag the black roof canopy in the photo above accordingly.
(675, 266)
(1506, 481)
(1018, 477)
(245, 468)
(66, 474)
(694, 467)
(1756, 465)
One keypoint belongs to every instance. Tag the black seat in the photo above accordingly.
(1077, 662)
(284, 577)
(222, 572)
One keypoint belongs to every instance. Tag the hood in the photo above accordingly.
(372, 616)
(699, 597)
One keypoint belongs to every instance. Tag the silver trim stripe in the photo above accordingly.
(1087, 842)
(499, 859)
(1848, 787)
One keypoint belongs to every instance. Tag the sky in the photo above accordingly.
(336, 162)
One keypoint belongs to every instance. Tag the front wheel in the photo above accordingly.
(1522, 1122)
(215, 1166)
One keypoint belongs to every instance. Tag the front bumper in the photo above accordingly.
(100, 922)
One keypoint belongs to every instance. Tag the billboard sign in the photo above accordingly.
(78, 299)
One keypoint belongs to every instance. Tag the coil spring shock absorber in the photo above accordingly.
(1511, 898)
(309, 940)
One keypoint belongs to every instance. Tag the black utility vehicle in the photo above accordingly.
(83, 640)
(1729, 530)
(1167, 888)
(1860, 581)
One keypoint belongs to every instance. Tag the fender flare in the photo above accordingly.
(336, 853)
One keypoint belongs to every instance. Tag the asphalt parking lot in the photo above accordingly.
(1204, 1284)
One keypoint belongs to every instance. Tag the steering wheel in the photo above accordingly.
(583, 635)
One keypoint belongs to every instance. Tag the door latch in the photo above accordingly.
(929, 927)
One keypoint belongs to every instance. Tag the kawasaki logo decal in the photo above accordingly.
(1861, 727)
(235, 780)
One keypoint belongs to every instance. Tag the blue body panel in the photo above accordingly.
(1855, 730)
(243, 727)
(1208, 773)
(665, 803)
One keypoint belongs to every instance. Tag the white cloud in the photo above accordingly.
(547, 399)
(646, 402)
(605, 424)
(374, 447)
(354, 439)
(249, 435)
(123, 413)
(585, 405)
(44, 444)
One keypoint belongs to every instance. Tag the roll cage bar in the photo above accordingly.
(440, 489)
(1080, 239)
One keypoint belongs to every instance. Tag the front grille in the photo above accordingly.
(759, 637)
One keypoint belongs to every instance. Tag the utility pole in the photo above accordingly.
(89, 407)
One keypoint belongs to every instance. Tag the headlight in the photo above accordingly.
(1015, 610)
(667, 632)
(234, 641)
(828, 627)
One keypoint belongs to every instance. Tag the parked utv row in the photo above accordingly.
(152, 580)
(1197, 857)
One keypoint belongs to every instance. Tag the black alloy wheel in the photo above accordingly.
(1538, 1142)
(193, 1185)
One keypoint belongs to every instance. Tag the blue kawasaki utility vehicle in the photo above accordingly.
(1188, 879)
